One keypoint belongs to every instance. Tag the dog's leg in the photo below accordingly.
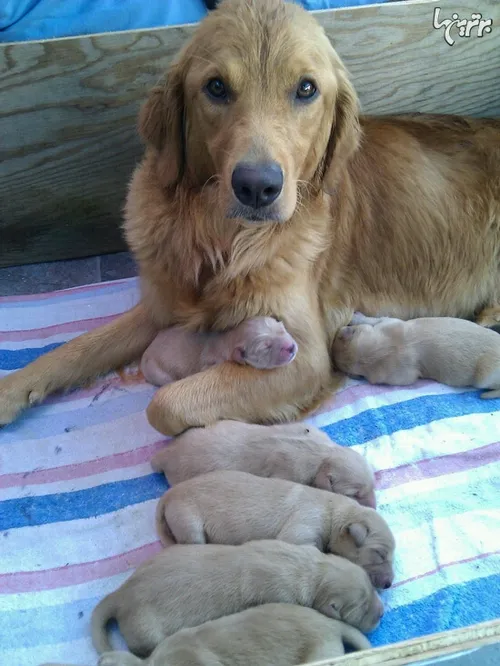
(77, 362)
(242, 393)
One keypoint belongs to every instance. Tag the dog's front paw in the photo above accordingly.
(15, 397)
(163, 416)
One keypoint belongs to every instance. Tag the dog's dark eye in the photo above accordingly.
(216, 89)
(306, 90)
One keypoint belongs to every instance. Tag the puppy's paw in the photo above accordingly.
(357, 318)
(489, 317)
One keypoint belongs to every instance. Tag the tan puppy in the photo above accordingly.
(390, 351)
(231, 507)
(175, 353)
(184, 586)
(294, 451)
(269, 635)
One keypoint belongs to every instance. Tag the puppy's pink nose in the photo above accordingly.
(287, 352)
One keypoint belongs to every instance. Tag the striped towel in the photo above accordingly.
(78, 495)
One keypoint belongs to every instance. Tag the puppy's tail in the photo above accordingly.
(354, 638)
(490, 395)
(103, 613)
(162, 528)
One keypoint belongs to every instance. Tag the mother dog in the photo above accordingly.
(264, 192)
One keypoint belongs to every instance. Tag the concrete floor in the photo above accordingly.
(53, 275)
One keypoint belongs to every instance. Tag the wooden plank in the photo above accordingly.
(68, 107)
(428, 647)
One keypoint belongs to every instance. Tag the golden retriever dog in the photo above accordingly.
(261, 342)
(292, 451)
(268, 635)
(185, 586)
(229, 507)
(390, 351)
(264, 192)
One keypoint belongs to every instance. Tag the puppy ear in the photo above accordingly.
(239, 355)
(324, 478)
(358, 533)
(161, 126)
(345, 133)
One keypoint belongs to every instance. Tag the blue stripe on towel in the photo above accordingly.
(452, 607)
(42, 509)
(455, 606)
(96, 412)
(13, 359)
(88, 503)
(388, 419)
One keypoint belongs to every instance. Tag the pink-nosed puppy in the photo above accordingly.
(292, 451)
(391, 351)
(229, 507)
(175, 353)
(268, 635)
(185, 586)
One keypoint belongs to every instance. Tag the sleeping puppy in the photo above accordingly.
(230, 507)
(268, 635)
(175, 353)
(185, 586)
(293, 451)
(391, 351)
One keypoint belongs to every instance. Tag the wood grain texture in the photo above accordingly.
(420, 650)
(68, 108)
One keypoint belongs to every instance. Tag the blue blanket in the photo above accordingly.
(78, 495)
(23, 20)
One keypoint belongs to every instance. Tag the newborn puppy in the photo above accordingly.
(230, 507)
(269, 635)
(261, 342)
(294, 451)
(391, 351)
(185, 586)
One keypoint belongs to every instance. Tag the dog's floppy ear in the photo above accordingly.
(161, 125)
(324, 478)
(345, 131)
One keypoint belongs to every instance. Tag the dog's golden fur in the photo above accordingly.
(391, 216)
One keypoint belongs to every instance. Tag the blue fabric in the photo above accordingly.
(23, 20)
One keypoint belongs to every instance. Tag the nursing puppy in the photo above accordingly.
(185, 586)
(269, 635)
(175, 353)
(293, 451)
(230, 507)
(390, 351)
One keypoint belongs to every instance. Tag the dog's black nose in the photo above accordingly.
(257, 185)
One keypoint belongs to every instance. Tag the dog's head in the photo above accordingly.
(264, 343)
(345, 593)
(367, 541)
(257, 105)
